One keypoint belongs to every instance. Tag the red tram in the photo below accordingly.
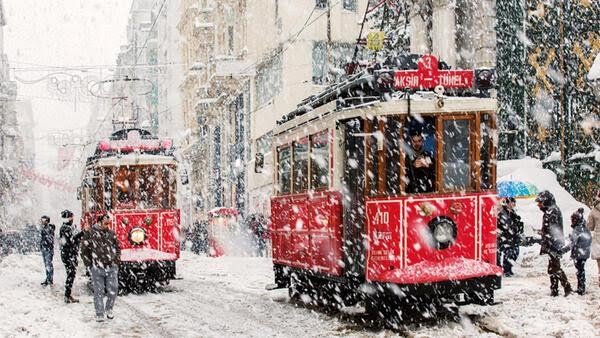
(133, 176)
(348, 223)
(223, 232)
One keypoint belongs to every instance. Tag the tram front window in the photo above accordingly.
(456, 164)
(124, 187)
(420, 164)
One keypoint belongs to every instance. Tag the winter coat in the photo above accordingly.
(581, 241)
(47, 237)
(100, 248)
(419, 179)
(594, 226)
(553, 239)
(510, 228)
(69, 243)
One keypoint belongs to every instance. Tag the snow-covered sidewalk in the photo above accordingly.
(225, 297)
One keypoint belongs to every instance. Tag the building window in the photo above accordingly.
(328, 63)
(350, 5)
(268, 80)
(321, 3)
(230, 39)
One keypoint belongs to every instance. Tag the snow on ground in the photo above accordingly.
(225, 297)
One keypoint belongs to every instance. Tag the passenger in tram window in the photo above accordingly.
(420, 167)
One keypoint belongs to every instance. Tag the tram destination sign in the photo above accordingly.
(428, 76)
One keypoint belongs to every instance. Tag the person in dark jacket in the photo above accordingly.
(419, 165)
(581, 242)
(69, 249)
(47, 248)
(101, 252)
(553, 241)
(510, 231)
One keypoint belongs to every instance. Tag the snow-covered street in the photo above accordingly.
(225, 297)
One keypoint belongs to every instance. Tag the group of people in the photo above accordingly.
(583, 242)
(100, 252)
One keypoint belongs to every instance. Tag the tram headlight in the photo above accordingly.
(443, 230)
(137, 236)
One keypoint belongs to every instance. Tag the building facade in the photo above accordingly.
(246, 64)
(13, 186)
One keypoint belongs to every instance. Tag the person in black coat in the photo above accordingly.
(510, 232)
(552, 241)
(47, 248)
(581, 243)
(419, 165)
(70, 237)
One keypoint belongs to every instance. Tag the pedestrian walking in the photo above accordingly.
(101, 252)
(70, 237)
(258, 227)
(580, 243)
(47, 248)
(553, 241)
(510, 232)
(593, 224)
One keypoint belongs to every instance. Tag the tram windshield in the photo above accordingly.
(405, 155)
(133, 187)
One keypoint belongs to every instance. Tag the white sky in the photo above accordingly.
(60, 33)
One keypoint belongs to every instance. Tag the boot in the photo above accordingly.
(568, 290)
(70, 299)
(553, 286)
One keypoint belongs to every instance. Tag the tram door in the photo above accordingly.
(353, 190)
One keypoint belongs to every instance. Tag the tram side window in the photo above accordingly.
(95, 195)
(393, 139)
(486, 133)
(284, 173)
(419, 158)
(301, 166)
(456, 164)
(373, 164)
(107, 193)
(319, 161)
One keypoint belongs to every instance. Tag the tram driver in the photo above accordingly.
(419, 164)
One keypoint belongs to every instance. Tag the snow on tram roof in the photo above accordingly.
(135, 159)
(420, 103)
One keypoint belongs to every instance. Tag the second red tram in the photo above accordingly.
(348, 223)
(133, 177)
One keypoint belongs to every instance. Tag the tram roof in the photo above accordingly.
(422, 103)
(133, 159)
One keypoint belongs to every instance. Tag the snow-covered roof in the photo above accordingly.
(135, 159)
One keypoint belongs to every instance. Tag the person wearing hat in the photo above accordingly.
(69, 249)
(101, 252)
(553, 241)
(47, 248)
(510, 231)
(581, 241)
(593, 223)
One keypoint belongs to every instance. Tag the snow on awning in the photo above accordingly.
(146, 254)
(235, 68)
